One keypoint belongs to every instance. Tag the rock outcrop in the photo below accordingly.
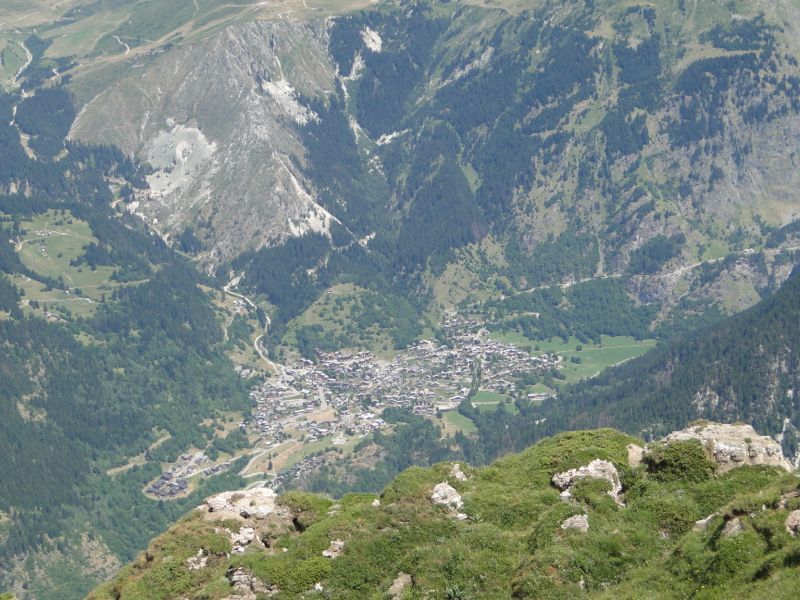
(334, 550)
(732, 527)
(445, 494)
(731, 446)
(457, 474)
(597, 469)
(578, 523)
(257, 503)
(198, 561)
(702, 524)
(243, 537)
(401, 582)
(247, 585)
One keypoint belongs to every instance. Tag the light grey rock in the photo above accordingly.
(578, 523)
(446, 495)
(334, 550)
(197, 562)
(597, 469)
(247, 585)
(702, 524)
(456, 473)
(257, 503)
(401, 582)
(245, 536)
(732, 527)
(731, 446)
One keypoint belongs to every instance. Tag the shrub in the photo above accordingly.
(679, 461)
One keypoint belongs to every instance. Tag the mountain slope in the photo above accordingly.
(111, 357)
(497, 532)
(563, 142)
(743, 369)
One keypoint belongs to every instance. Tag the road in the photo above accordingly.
(227, 288)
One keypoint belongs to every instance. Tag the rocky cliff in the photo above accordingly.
(217, 121)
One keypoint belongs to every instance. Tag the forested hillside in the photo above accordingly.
(444, 154)
(743, 369)
(107, 345)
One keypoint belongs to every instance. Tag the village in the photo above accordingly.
(175, 480)
(341, 395)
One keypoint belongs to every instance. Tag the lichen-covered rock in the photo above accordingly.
(446, 495)
(578, 523)
(793, 522)
(731, 446)
(597, 469)
(243, 537)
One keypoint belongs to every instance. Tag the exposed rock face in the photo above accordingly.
(243, 537)
(446, 495)
(597, 469)
(578, 523)
(793, 522)
(197, 562)
(732, 527)
(247, 585)
(334, 550)
(702, 524)
(257, 503)
(732, 446)
(219, 120)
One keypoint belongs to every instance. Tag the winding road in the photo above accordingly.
(227, 288)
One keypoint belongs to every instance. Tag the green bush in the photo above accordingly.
(679, 461)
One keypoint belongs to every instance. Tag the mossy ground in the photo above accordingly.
(512, 545)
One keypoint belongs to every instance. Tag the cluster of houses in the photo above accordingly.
(345, 393)
(175, 480)
(342, 395)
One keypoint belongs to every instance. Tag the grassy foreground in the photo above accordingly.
(512, 545)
